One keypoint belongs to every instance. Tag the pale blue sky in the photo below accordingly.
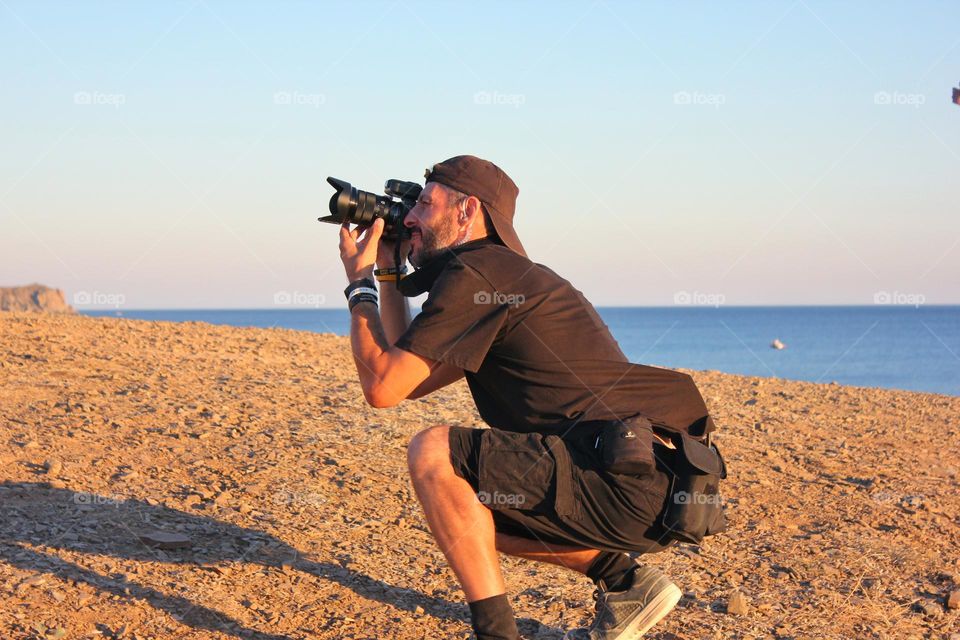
(174, 154)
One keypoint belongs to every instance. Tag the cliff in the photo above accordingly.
(33, 297)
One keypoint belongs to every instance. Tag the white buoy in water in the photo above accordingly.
(776, 344)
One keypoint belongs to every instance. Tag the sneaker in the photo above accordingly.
(628, 614)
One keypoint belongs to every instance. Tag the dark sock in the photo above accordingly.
(613, 568)
(493, 619)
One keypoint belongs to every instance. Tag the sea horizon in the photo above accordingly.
(910, 348)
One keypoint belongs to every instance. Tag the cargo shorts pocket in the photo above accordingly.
(526, 471)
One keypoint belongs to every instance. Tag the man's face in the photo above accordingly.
(433, 223)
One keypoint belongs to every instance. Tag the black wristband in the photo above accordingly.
(361, 297)
(362, 282)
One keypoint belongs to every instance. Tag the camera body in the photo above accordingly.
(349, 204)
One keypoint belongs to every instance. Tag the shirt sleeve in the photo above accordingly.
(459, 320)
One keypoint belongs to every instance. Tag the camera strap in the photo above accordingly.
(398, 261)
(422, 279)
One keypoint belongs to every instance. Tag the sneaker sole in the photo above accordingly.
(657, 610)
(659, 607)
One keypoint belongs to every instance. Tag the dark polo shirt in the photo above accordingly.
(535, 353)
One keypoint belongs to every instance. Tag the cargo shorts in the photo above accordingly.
(554, 489)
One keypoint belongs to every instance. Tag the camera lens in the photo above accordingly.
(343, 202)
(348, 204)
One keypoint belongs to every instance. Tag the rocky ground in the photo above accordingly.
(166, 480)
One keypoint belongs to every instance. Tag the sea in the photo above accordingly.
(914, 348)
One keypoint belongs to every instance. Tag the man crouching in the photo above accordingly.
(547, 377)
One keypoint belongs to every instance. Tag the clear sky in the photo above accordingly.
(174, 154)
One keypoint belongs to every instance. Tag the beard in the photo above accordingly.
(433, 241)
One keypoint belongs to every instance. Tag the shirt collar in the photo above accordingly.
(421, 280)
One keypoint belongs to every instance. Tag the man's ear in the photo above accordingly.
(470, 209)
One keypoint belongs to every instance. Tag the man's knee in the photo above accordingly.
(429, 454)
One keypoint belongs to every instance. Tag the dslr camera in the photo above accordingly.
(349, 204)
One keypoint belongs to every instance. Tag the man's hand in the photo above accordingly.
(359, 254)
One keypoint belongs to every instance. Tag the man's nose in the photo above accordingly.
(409, 220)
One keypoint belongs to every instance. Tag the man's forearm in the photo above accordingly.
(368, 343)
(387, 374)
(394, 311)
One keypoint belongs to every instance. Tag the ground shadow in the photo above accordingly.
(38, 515)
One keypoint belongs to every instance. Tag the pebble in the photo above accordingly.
(738, 604)
(52, 466)
(947, 576)
(164, 540)
(912, 501)
(953, 600)
(34, 581)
